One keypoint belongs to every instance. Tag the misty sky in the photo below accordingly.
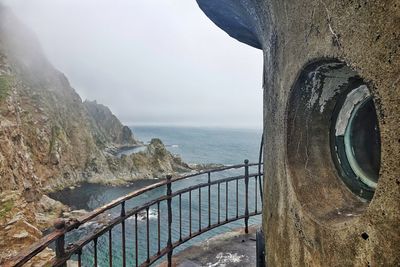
(153, 62)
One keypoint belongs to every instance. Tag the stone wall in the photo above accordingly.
(311, 217)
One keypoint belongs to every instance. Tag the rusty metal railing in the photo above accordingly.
(75, 250)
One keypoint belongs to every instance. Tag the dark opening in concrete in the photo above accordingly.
(333, 147)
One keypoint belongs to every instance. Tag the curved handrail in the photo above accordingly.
(87, 217)
(77, 246)
(70, 225)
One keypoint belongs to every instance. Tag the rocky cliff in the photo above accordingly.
(50, 139)
(106, 128)
(46, 138)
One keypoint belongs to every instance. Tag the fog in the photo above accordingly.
(153, 62)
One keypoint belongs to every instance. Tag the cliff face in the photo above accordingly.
(49, 139)
(106, 128)
(46, 135)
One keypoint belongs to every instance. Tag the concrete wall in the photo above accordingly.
(310, 216)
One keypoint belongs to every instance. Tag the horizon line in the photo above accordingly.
(244, 127)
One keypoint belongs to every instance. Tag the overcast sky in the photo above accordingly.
(151, 61)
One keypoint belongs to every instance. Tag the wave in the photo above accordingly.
(142, 215)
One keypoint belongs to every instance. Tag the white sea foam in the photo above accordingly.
(142, 215)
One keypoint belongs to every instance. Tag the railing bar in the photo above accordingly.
(237, 198)
(169, 205)
(246, 184)
(123, 244)
(226, 201)
(148, 234)
(123, 234)
(158, 227)
(199, 208)
(95, 251)
(219, 185)
(180, 216)
(110, 248)
(60, 241)
(190, 213)
(80, 258)
(209, 198)
(261, 183)
(136, 242)
(255, 193)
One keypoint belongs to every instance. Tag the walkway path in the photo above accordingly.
(230, 249)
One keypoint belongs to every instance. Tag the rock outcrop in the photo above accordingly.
(106, 128)
(155, 162)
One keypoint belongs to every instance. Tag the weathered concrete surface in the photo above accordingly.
(365, 35)
(232, 249)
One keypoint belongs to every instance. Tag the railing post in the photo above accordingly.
(209, 198)
(246, 184)
(123, 234)
(59, 224)
(169, 202)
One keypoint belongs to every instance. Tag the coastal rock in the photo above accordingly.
(106, 128)
(154, 162)
(22, 222)
(47, 204)
(205, 167)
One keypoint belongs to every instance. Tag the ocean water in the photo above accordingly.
(206, 145)
(194, 145)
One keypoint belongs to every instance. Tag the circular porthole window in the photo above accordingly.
(333, 141)
(357, 142)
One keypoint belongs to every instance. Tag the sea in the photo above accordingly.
(199, 145)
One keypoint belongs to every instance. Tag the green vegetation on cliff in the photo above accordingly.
(5, 84)
(6, 207)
